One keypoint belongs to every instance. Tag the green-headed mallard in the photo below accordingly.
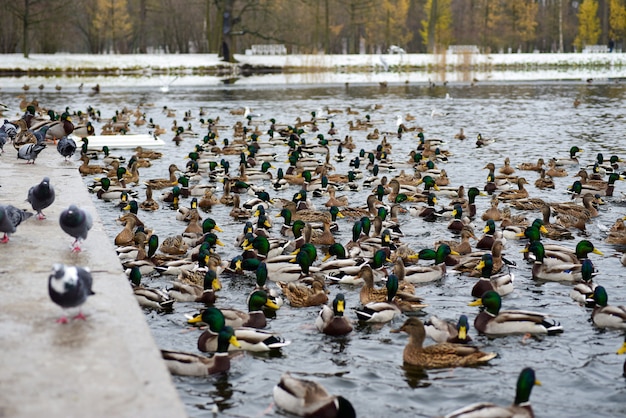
(520, 408)
(495, 323)
(306, 398)
(502, 283)
(583, 292)
(438, 355)
(442, 331)
(381, 311)
(572, 160)
(605, 315)
(552, 269)
(250, 339)
(147, 297)
(331, 320)
(188, 364)
(190, 292)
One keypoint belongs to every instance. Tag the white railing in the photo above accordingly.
(595, 49)
(269, 49)
(463, 49)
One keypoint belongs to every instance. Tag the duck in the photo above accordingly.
(300, 295)
(544, 181)
(554, 231)
(149, 204)
(493, 212)
(331, 319)
(520, 193)
(424, 274)
(605, 315)
(532, 166)
(554, 171)
(381, 311)
(307, 398)
(495, 323)
(189, 364)
(147, 297)
(482, 141)
(521, 407)
(617, 232)
(189, 292)
(127, 235)
(582, 292)
(442, 331)
(486, 241)
(250, 339)
(506, 169)
(552, 269)
(441, 355)
(161, 183)
(572, 160)
(87, 169)
(501, 283)
(333, 200)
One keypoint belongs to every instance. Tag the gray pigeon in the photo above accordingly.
(29, 152)
(77, 223)
(41, 196)
(8, 131)
(69, 287)
(41, 134)
(10, 218)
(66, 147)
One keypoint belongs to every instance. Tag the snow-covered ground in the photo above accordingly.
(159, 69)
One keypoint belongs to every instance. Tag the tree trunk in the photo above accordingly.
(227, 38)
(25, 43)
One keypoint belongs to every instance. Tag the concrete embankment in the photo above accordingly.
(107, 365)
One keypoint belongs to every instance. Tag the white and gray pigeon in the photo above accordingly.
(40, 196)
(29, 152)
(69, 287)
(66, 147)
(10, 218)
(8, 131)
(76, 222)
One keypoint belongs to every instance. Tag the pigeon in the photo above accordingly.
(41, 134)
(8, 131)
(66, 147)
(69, 287)
(41, 196)
(10, 218)
(29, 152)
(77, 223)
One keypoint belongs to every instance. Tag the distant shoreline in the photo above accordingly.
(210, 64)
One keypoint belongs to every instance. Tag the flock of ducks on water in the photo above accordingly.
(289, 245)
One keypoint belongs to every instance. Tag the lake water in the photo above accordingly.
(580, 373)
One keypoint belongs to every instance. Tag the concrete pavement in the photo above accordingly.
(107, 365)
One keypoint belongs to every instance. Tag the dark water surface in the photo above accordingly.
(580, 373)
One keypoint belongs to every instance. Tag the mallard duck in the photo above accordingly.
(520, 193)
(208, 200)
(506, 169)
(191, 292)
(468, 263)
(331, 321)
(306, 398)
(572, 160)
(250, 339)
(381, 311)
(583, 292)
(87, 169)
(149, 154)
(188, 364)
(127, 235)
(463, 247)
(495, 323)
(605, 315)
(531, 166)
(333, 200)
(502, 283)
(447, 332)
(174, 245)
(325, 237)
(520, 408)
(552, 269)
(482, 141)
(486, 241)
(148, 297)
(149, 204)
(438, 355)
(544, 181)
(161, 183)
(254, 318)
(423, 274)
(554, 231)
(554, 171)
(617, 233)
(493, 212)
(301, 295)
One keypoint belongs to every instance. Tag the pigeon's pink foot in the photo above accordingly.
(62, 320)
(41, 216)
(4, 239)
(80, 316)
